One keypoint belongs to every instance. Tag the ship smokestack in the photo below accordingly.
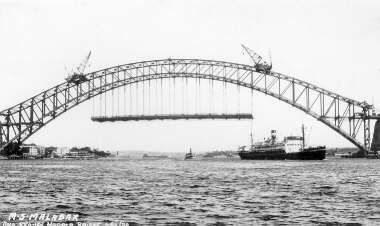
(375, 145)
(273, 134)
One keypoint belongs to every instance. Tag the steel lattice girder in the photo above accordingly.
(344, 115)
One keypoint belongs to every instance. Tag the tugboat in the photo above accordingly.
(292, 148)
(189, 155)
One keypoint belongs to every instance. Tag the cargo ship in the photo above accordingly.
(292, 148)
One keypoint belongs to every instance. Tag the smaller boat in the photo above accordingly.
(189, 155)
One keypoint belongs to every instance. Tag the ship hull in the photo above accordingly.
(270, 155)
(189, 157)
(307, 154)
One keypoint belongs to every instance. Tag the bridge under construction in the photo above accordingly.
(348, 117)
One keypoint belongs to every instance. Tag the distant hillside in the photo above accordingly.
(139, 154)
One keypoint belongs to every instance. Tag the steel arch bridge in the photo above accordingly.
(346, 116)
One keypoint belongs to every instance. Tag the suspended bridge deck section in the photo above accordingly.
(238, 116)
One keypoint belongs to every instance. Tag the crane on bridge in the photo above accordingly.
(260, 65)
(78, 76)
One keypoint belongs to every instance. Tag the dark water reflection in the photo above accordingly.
(334, 191)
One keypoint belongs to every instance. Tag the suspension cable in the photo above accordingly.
(149, 96)
(118, 100)
(112, 98)
(125, 96)
(100, 99)
(238, 95)
(105, 97)
(93, 106)
(174, 91)
(197, 101)
(225, 101)
(137, 97)
(162, 100)
(251, 124)
(209, 96)
(118, 97)
(183, 96)
(199, 95)
(186, 98)
(169, 101)
(130, 99)
(156, 106)
(196, 95)
(212, 95)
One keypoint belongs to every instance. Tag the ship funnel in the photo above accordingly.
(375, 145)
(273, 134)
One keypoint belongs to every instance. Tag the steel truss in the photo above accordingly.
(346, 116)
(238, 116)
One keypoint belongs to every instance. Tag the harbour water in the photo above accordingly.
(332, 191)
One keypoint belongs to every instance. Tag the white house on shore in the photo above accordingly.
(32, 151)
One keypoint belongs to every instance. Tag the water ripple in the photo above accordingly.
(219, 192)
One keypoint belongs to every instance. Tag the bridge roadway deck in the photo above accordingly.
(238, 116)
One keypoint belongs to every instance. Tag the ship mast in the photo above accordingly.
(303, 137)
(251, 139)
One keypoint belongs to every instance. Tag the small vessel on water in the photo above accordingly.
(189, 155)
(292, 147)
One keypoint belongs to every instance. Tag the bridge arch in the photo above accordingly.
(344, 115)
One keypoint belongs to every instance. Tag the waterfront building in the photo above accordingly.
(79, 154)
(32, 151)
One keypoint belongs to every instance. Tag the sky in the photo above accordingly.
(333, 44)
